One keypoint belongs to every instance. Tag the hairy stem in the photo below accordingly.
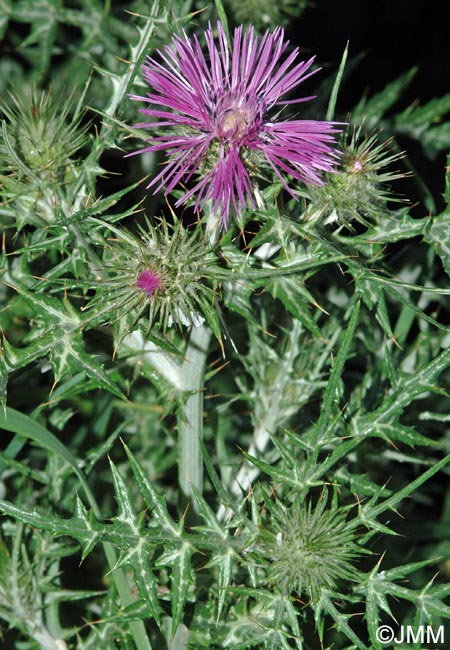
(190, 424)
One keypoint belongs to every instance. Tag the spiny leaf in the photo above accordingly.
(340, 620)
(292, 294)
(447, 182)
(438, 236)
(394, 227)
(154, 501)
(61, 340)
(180, 580)
(127, 513)
(3, 380)
(23, 425)
(370, 110)
(373, 296)
(370, 511)
(331, 391)
(87, 544)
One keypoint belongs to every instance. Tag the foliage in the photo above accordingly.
(248, 447)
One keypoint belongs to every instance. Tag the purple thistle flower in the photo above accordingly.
(217, 111)
(148, 282)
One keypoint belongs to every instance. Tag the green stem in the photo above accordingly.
(190, 425)
(95, 265)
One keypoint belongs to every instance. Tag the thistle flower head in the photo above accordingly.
(39, 141)
(41, 135)
(162, 278)
(148, 281)
(314, 548)
(358, 191)
(215, 109)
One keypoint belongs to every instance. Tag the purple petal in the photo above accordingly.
(216, 107)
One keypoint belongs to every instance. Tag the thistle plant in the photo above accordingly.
(224, 360)
(39, 144)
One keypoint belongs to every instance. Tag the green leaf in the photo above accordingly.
(336, 86)
(3, 380)
(375, 600)
(180, 580)
(330, 398)
(100, 207)
(86, 531)
(23, 425)
(275, 230)
(340, 620)
(395, 227)
(360, 484)
(447, 182)
(223, 19)
(366, 278)
(407, 435)
(420, 117)
(224, 498)
(152, 498)
(225, 563)
(373, 296)
(430, 607)
(438, 235)
(427, 124)
(400, 572)
(436, 139)
(290, 291)
(370, 511)
(87, 542)
(61, 340)
(278, 474)
(135, 555)
(370, 110)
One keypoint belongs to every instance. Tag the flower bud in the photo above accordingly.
(39, 140)
(357, 191)
(313, 549)
(164, 277)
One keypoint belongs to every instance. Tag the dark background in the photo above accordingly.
(395, 35)
(389, 38)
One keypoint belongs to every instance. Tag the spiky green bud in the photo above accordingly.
(313, 549)
(164, 277)
(38, 141)
(358, 190)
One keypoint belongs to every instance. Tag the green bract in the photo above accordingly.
(217, 439)
(40, 140)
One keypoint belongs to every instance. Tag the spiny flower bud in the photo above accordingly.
(164, 277)
(357, 192)
(313, 549)
(39, 139)
(262, 13)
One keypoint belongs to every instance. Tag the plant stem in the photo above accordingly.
(190, 424)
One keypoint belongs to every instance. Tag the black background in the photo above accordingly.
(394, 35)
